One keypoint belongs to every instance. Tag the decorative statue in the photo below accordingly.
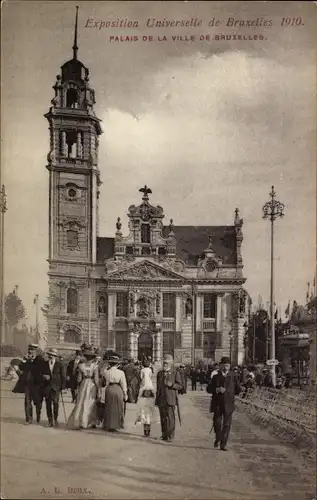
(102, 305)
(158, 303)
(189, 307)
(131, 303)
(143, 306)
(118, 225)
(242, 304)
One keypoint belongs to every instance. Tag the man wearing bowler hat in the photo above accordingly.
(225, 386)
(168, 384)
(54, 382)
(30, 383)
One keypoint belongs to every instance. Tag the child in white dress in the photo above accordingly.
(146, 400)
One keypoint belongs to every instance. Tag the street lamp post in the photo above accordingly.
(272, 210)
(3, 209)
(193, 324)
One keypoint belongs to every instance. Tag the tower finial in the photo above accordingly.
(75, 46)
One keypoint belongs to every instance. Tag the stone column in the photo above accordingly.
(111, 317)
(199, 311)
(79, 145)
(158, 343)
(64, 146)
(224, 312)
(179, 311)
(131, 343)
(239, 341)
(219, 313)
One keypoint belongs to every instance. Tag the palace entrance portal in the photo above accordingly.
(145, 346)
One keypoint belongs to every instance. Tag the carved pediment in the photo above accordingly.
(146, 271)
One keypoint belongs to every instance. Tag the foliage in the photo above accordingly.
(14, 309)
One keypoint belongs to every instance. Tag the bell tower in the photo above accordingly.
(74, 180)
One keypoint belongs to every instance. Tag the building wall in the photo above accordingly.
(104, 330)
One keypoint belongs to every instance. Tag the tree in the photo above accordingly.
(14, 309)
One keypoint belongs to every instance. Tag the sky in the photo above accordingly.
(208, 125)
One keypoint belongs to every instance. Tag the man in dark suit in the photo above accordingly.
(225, 386)
(133, 381)
(167, 386)
(54, 382)
(72, 374)
(183, 375)
(30, 383)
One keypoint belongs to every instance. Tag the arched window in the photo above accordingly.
(145, 233)
(72, 336)
(72, 98)
(72, 301)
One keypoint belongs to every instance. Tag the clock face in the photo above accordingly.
(211, 266)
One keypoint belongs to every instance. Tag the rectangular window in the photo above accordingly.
(210, 305)
(72, 301)
(72, 239)
(145, 233)
(122, 305)
(129, 250)
(146, 251)
(168, 343)
(122, 344)
(169, 305)
(198, 340)
(178, 340)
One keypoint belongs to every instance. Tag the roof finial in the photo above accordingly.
(146, 191)
(75, 46)
(210, 241)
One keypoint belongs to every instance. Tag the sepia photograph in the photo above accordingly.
(158, 250)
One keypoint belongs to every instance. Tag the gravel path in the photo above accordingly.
(39, 462)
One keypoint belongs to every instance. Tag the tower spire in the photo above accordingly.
(75, 46)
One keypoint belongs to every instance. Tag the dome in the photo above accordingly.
(74, 70)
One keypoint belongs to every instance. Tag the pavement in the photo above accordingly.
(38, 462)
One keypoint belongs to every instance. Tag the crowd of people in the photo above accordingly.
(102, 386)
(250, 376)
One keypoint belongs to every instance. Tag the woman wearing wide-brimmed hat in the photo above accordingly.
(115, 394)
(84, 414)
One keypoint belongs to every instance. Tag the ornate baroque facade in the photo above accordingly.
(159, 288)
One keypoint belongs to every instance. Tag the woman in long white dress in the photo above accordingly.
(146, 400)
(84, 414)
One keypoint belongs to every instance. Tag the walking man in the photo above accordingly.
(225, 386)
(72, 373)
(30, 383)
(168, 384)
(54, 382)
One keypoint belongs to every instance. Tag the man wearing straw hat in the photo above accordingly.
(168, 384)
(54, 382)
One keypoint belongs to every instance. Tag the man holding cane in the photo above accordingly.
(224, 386)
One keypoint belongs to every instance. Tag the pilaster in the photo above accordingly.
(158, 344)
(111, 317)
(219, 313)
(240, 341)
(199, 307)
(179, 310)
